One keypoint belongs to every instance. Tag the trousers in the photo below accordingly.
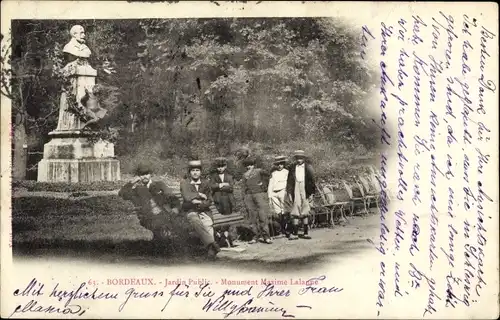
(277, 200)
(258, 213)
(203, 226)
(301, 207)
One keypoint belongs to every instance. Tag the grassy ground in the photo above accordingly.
(98, 225)
(101, 227)
(118, 238)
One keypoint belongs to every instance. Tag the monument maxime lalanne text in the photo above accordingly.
(72, 154)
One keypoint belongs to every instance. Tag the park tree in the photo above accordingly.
(184, 86)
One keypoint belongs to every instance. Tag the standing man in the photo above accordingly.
(300, 187)
(276, 191)
(222, 184)
(197, 197)
(256, 202)
(155, 204)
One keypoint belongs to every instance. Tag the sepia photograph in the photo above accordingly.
(249, 160)
(246, 140)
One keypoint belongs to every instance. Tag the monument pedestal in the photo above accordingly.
(78, 170)
(70, 156)
(73, 158)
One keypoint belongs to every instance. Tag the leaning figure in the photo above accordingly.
(155, 203)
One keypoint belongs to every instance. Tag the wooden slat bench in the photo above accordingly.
(220, 220)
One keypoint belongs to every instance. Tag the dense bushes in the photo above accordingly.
(31, 185)
(200, 87)
(51, 206)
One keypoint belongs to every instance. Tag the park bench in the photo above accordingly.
(219, 220)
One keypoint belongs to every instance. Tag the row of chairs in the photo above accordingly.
(335, 200)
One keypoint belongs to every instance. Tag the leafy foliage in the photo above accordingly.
(202, 87)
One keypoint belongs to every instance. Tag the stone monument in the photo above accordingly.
(72, 155)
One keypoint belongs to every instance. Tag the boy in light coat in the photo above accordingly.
(276, 191)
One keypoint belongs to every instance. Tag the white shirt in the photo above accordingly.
(221, 176)
(278, 180)
(300, 174)
(196, 184)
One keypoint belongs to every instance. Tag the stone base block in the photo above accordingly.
(77, 148)
(78, 170)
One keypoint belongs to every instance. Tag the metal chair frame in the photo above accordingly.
(353, 199)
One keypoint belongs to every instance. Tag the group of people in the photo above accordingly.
(280, 197)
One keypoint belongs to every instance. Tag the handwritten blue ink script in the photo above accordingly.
(436, 129)
(261, 298)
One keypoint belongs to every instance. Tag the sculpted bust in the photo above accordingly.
(76, 46)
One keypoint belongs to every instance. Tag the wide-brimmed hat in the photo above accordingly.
(220, 161)
(299, 154)
(279, 160)
(142, 169)
(194, 164)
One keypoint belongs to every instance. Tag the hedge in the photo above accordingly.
(51, 206)
(32, 185)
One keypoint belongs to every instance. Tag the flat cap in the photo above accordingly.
(248, 161)
(143, 169)
(220, 161)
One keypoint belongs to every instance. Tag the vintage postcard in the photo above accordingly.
(253, 159)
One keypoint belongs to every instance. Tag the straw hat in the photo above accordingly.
(299, 154)
(279, 160)
(193, 164)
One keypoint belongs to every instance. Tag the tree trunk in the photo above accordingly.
(132, 122)
(20, 151)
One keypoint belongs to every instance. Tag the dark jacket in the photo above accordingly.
(256, 182)
(223, 198)
(310, 183)
(189, 194)
(140, 196)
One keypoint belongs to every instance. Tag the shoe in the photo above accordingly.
(211, 254)
(268, 241)
(293, 237)
(305, 236)
(213, 249)
(260, 239)
(252, 241)
(216, 247)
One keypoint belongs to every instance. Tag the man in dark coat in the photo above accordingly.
(255, 182)
(222, 184)
(155, 203)
(300, 187)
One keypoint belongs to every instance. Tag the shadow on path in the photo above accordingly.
(277, 257)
